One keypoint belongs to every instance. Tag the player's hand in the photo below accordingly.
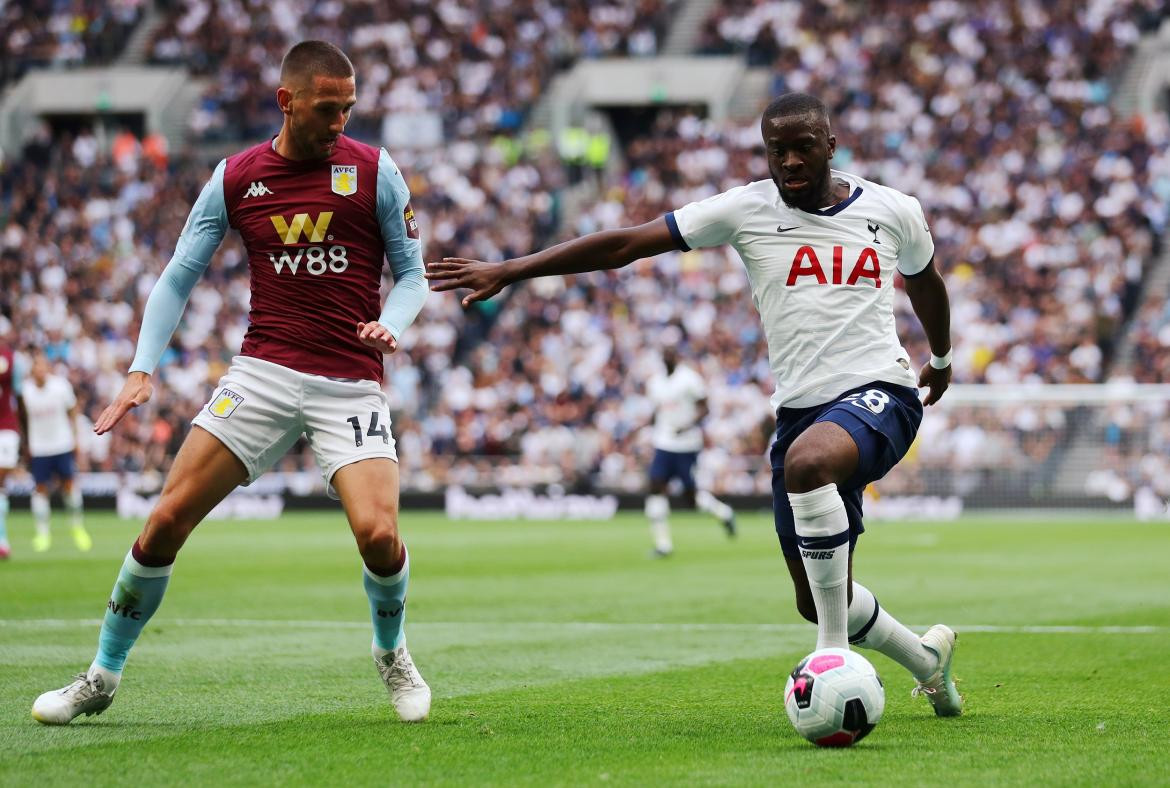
(937, 380)
(377, 336)
(136, 391)
(484, 280)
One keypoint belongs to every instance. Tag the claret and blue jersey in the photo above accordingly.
(316, 233)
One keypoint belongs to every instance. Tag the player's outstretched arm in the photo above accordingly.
(136, 391)
(206, 225)
(928, 297)
(594, 252)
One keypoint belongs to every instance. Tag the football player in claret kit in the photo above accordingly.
(680, 405)
(318, 213)
(821, 248)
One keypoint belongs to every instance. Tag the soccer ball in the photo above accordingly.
(834, 697)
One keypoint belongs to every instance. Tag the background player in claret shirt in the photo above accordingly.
(821, 248)
(319, 213)
(680, 405)
(9, 435)
(50, 408)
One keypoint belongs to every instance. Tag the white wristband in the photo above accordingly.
(941, 362)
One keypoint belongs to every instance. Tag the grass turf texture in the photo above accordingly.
(558, 654)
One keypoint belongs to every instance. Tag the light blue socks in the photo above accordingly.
(387, 605)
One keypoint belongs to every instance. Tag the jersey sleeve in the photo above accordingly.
(68, 398)
(205, 228)
(710, 222)
(403, 248)
(917, 249)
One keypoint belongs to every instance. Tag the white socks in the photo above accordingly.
(822, 531)
(658, 512)
(40, 510)
(713, 506)
(73, 503)
(870, 626)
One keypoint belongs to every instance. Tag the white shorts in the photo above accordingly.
(9, 449)
(260, 409)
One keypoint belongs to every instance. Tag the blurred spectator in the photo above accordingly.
(56, 33)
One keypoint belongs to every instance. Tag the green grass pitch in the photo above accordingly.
(559, 655)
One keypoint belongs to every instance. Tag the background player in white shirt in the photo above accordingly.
(680, 405)
(821, 249)
(51, 409)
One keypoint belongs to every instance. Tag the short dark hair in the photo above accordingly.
(791, 104)
(312, 58)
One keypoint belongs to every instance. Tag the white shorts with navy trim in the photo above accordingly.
(260, 409)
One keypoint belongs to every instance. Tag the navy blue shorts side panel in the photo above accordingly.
(668, 465)
(43, 469)
(881, 418)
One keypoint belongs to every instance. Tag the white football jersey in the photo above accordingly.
(676, 414)
(50, 429)
(823, 281)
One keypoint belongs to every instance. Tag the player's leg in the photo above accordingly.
(348, 425)
(9, 457)
(42, 472)
(203, 473)
(71, 492)
(703, 500)
(658, 504)
(823, 456)
(5, 548)
(882, 423)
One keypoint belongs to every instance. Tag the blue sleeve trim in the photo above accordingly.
(206, 225)
(675, 233)
(920, 272)
(403, 252)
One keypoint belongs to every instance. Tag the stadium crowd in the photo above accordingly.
(467, 68)
(63, 33)
(1046, 212)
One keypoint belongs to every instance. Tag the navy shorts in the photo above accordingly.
(883, 419)
(45, 468)
(668, 465)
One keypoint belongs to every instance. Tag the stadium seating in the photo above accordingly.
(1043, 228)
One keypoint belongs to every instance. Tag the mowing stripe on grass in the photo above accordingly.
(598, 626)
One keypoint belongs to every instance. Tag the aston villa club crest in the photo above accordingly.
(344, 179)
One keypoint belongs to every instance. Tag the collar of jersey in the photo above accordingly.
(832, 210)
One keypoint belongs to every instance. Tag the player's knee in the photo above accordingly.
(806, 469)
(379, 542)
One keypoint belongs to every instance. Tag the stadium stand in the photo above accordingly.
(63, 33)
(1047, 212)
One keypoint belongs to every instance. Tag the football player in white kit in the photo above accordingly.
(51, 408)
(680, 405)
(821, 249)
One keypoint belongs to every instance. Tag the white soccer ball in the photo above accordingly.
(834, 697)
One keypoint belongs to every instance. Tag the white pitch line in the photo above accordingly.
(587, 626)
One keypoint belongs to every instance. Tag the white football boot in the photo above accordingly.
(940, 689)
(409, 694)
(86, 695)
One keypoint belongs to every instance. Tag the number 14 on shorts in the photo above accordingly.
(374, 430)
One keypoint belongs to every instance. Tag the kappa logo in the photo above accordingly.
(225, 404)
(290, 233)
(257, 189)
(344, 179)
